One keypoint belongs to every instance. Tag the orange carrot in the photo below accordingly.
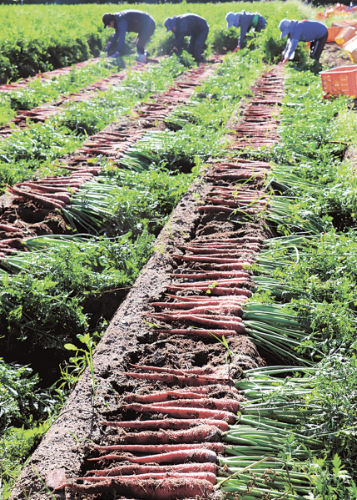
(160, 448)
(198, 434)
(161, 396)
(146, 489)
(192, 380)
(193, 455)
(145, 469)
(197, 332)
(167, 423)
(191, 371)
(178, 412)
(213, 403)
(208, 476)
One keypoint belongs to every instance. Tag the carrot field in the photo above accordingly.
(177, 263)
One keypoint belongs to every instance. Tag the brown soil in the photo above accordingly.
(333, 56)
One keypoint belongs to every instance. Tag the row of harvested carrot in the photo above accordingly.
(174, 454)
(172, 457)
(112, 142)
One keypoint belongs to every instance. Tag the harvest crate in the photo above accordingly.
(340, 80)
(333, 32)
(346, 34)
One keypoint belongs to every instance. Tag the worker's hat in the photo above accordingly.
(170, 23)
(284, 27)
(107, 19)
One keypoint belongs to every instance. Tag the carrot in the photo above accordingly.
(145, 469)
(190, 315)
(58, 196)
(146, 489)
(226, 282)
(214, 208)
(44, 188)
(229, 265)
(178, 412)
(144, 449)
(168, 423)
(161, 396)
(226, 324)
(193, 258)
(192, 380)
(192, 371)
(217, 404)
(198, 299)
(9, 229)
(228, 309)
(201, 433)
(196, 332)
(42, 199)
(208, 476)
(212, 275)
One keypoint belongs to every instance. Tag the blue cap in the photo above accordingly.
(284, 27)
(230, 19)
(170, 23)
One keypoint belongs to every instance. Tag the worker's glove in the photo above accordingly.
(115, 55)
(237, 48)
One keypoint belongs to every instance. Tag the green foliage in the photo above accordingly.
(15, 445)
(20, 399)
(45, 304)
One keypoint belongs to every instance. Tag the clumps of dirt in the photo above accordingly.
(333, 55)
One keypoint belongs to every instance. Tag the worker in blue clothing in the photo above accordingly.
(191, 25)
(245, 21)
(129, 20)
(305, 31)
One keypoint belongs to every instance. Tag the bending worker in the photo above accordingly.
(129, 20)
(245, 21)
(191, 25)
(306, 31)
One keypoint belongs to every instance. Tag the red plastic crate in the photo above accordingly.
(341, 80)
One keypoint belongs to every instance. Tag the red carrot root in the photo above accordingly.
(191, 371)
(146, 469)
(235, 324)
(212, 403)
(208, 284)
(197, 454)
(193, 380)
(197, 258)
(212, 275)
(199, 299)
(147, 489)
(201, 433)
(42, 199)
(144, 449)
(155, 397)
(227, 309)
(196, 332)
(208, 476)
(168, 423)
(9, 229)
(178, 412)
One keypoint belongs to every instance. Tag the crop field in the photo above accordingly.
(178, 263)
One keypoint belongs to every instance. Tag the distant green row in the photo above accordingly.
(37, 38)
